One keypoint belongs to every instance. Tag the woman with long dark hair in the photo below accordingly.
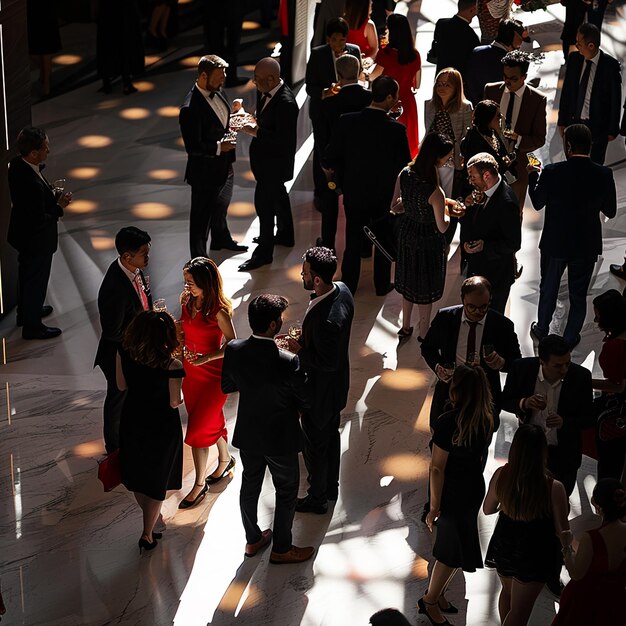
(421, 259)
(362, 31)
(524, 548)
(460, 441)
(207, 325)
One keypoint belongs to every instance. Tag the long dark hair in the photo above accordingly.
(150, 339)
(434, 147)
(356, 13)
(401, 38)
(611, 308)
(208, 278)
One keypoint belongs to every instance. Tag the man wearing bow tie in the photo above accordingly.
(204, 120)
(272, 156)
(33, 230)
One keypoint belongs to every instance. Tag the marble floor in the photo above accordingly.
(68, 553)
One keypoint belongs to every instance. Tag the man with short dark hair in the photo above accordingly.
(272, 395)
(368, 141)
(35, 211)
(556, 394)
(592, 91)
(574, 193)
(124, 292)
(323, 349)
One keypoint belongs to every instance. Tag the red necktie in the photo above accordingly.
(141, 292)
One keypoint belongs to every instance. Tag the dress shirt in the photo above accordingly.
(135, 279)
(552, 392)
(584, 114)
(264, 338)
(37, 170)
(315, 300)
(492, 190)
(504, 103)
(461, 343)
(221, 110)
(270, 95)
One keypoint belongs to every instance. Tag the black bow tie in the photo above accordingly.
(42, 166)
(212, 94)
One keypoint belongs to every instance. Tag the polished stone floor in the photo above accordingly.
(68, 552)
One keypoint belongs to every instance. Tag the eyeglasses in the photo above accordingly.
(472, 308)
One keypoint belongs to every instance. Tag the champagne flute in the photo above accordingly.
(533, 160)
(295, 330)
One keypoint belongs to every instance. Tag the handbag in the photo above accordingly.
(110, 470)
(612, 421)
(384, 232)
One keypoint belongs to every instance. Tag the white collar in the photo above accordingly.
(519, 92)
(273, 92)
(464, 317)
(264, 338)
(131, 275)
(541, 377)
(206, 93)
(492, 190)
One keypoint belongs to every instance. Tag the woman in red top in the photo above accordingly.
(401, 60)
(362, 31)
(207, 325)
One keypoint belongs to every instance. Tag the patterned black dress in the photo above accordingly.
(421, 259)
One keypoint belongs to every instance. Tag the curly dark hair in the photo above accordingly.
(150, 339)
(323, 262)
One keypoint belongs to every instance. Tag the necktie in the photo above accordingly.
(582, 89)
(141, 291)
(471, 343)
(508, 118)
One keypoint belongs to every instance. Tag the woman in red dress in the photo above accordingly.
(362, 31)
(206, 319)
(401, 60)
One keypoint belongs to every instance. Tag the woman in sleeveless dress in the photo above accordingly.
(362, 31)
(207, 325)
(151, 439)
(524, 548)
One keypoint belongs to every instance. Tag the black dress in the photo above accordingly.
(421, 259)
(457, 543)
(151, 437)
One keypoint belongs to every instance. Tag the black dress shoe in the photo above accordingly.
(235, 81)
(46, 310)
(385, 291)
(252, 264)
(306, 505)
(229, 245)
(45, 332)
(618, 270)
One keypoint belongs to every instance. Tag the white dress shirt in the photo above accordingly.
(504, 104)
(461, 343)
(552, 393)
(584, 114)
(315, 301)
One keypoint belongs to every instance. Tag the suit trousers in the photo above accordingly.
(271, 200)
(560, 464)
(33, 273)
(499, 297)
(285, 472)
(578, 278)
(329, 201)
(322, 454)
(356, 218)
(223, 24)
(112, 409)
(319, 178)
(209, 205)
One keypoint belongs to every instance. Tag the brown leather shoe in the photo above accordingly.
(295, 555)
(253, 548)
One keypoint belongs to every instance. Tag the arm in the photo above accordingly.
(438, 201)
(429, 114)
(314, 84)
(175, 385)
(287, 112)
(28, 195)
(609, 208)
(112, 311)
(491, 504)
(417, 81)
(437, 473)
(537, 136)
(323, 353)
(191, 130)
(396, 199)
(560, 508)
(225, 323)
(431, 346)
(538, 183)
(615, 103)
(512, 394)
(119, 374)
(510, 239)
(298, 386)
(228, 382)
(372, 39)
(578, 563)
(611, 361)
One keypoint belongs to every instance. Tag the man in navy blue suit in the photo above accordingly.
(574, 192)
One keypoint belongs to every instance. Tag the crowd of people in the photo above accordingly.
(473, 169)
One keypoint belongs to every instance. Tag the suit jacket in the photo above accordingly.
(273, 150)
(34, 211)
(324, 355)
(272, 394)
(461, 120)
(575, 401)
(118, 304)
(202, 129)
(320, 74)
(453, 41)
(606, 95)
(483, 66)
(439, 346)
(498, 224)
(573, 192)
(364, 144)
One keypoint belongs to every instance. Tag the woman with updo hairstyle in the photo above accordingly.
(207, 326)
(151, 439)
(596, 593)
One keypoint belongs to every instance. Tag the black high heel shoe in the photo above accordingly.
(156, 536)
(421, 608)
(211, 480)
(187, 504)
(450, 609)
(144, 544)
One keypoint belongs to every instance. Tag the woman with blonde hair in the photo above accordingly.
(532, 506)
(206, 320)
(460, 441)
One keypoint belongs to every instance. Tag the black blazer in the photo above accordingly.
(272, 395)
(606, 95)
(320, 74)
(573, 192)
(368, 145)
(498, 225)
(575, 401)
(202, 129)
(34, 211)
(484, 66)
(118, 304)
(439, 346)
(453, 41)
(273, 150)
(324, 355)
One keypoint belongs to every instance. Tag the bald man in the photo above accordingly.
(272, 155)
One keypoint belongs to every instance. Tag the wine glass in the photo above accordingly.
(488, 349)
(533, 160)
(396, 111)
(58, 187)
(159, 305)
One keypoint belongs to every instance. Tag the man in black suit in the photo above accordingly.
(323, 351)
(556, 394)
(272, 156)
(321, 73)
(454, 39)
(592, 91)
(574, 193)
(485, 62)
(204, 119)
(272, 394)
(470, 333)
(491, 231)
(368, 143)
(124, 292)
(351, 98)
(35, 211)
